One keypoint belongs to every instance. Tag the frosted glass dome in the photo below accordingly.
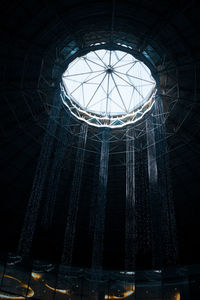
(108, 85)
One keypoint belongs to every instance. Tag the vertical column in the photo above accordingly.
(162, 207)
(154, 197)
(93, 200)
(98, 241)
(142, 203)
(28, 229)
(168, 214)
(55, 172)
(130, 226)
(74, 198)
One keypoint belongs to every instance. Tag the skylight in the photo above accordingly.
(108, 85)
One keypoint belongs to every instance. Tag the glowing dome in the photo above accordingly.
(108, 88)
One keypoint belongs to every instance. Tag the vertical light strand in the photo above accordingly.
(154, 195)
(55, 171)
(98, 241)
(168, 213)
(30, 220)
(142, 204)
(93, 200)
(130, 223)
(73, 206)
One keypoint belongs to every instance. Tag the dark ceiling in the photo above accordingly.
(35, 36)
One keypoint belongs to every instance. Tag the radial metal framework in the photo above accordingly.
(169, 83)
(108, 88)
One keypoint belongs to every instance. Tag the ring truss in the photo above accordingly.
(164, 70)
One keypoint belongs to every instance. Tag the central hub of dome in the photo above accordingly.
(109, 70)
(108, 88)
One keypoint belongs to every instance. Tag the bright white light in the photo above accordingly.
(108, 83)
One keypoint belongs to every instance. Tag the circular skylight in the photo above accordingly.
(108, 88)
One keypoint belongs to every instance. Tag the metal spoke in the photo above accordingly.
(107, 94)
(125, 65)
(130, 68)
(94, 62)
(119, 92)
(119, 60)
(74, 80)
(85, 82)
(144, 68)
(96, 90)
(100, 59)
(88, 64)
(104, 97)
(95, 103)
(116, 103)
(135, 77)
(85, 73)
(116, 55)
(130, 84)
(92, 83)
(105, 54)
(110, 58)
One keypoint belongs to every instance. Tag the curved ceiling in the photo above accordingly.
(36, 36)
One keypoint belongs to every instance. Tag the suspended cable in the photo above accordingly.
(28, 229)
(142, 203)
(165, 190)
(154, 198)
(164, 250)
(55, 172)
(98, 241)
(93, 200)
(130, 226)
(73, 206)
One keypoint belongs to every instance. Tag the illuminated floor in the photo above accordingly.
(47, 281)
